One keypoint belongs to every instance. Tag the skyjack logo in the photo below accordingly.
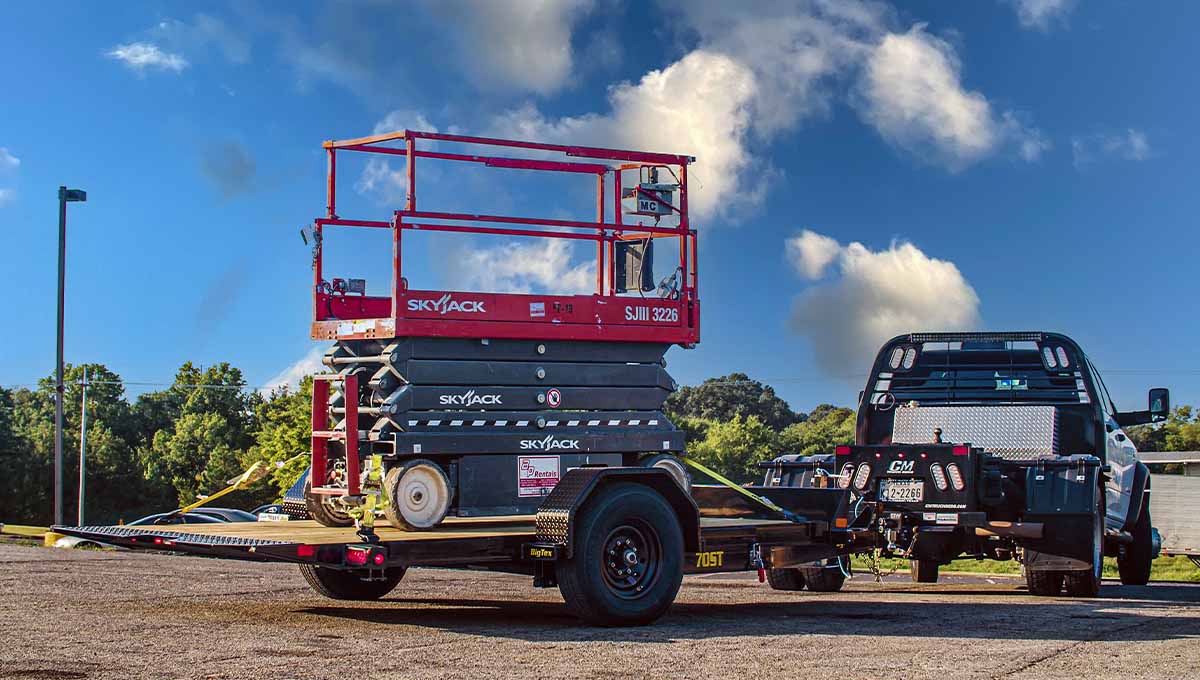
(549, 444)
(469, 398)
(446, 304)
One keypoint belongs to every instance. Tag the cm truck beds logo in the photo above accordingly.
(446, 304)
(549, 444)
(901, 467)
(469, 398)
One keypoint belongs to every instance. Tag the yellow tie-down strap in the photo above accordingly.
(761, 500)
(252, 474)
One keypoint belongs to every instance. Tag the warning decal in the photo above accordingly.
(536, 475)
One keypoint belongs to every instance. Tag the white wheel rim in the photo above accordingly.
(675, 468)
(422, 496)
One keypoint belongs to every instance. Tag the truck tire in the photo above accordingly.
(1135, 562)
(419, 495)
(785, 579)
(324, 509)
(827, 578)
(1044, 583)
(1086, 582)
(627, 563)
(923, 571)
(342, 584)
(677, 468)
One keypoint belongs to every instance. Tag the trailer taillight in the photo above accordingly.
(956, 478)
(365, 555)
(306, 551)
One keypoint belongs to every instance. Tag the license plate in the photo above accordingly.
(902, 490)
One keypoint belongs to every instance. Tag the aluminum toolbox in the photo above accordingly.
(1063, 485)
(1010, 432)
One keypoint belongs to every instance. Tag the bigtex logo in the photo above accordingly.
(469, 398)
(446, 304)
(549, 444)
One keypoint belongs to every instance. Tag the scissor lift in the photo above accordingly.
(479, 401)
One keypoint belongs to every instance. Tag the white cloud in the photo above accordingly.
(810, 253)
(875, 295)
(203, 31)
(524, 44)
(143, 56)
(7, 196)
(379, 179)
(291, 376)
(699, 105)
(1129, 145)
(7, 160)
(543, 266)
(1039, 14)
(912, 93)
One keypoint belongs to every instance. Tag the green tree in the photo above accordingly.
(735, 447)
(284, 430)
(827, 427)
(732, 395)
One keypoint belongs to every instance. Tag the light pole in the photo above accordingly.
(65, 196)
(82, 445)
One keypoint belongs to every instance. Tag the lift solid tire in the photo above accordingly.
(923, 571)
(785, 579)
(1044, 583)
(324, 510)
(1086, 582)
(1135, 562)
(342, 584)
(419, 493)
(677, 468)
(827, 578)
(624, 526)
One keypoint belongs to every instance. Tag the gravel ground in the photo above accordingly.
(85, 614)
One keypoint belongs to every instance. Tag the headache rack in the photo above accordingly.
(343, 311)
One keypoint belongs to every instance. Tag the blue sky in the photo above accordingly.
(867, 168)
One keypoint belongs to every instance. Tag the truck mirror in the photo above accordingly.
(1160, 403)
(635, 265)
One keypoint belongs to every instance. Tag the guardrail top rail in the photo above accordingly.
(343, 311)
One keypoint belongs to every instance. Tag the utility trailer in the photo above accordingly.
(615, 540)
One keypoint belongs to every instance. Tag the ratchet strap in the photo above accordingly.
(761, 500)
(252, 474)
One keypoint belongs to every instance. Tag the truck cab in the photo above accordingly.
(993, 445)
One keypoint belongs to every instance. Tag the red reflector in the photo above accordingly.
(961, 450)
(306, 550)
(157, 540)
(378, 558)
(356, 557)
(842, 450)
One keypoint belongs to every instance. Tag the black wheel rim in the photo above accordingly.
(631, 559)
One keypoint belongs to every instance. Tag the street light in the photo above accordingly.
(65, 196)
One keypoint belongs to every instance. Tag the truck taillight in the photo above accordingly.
(961, 450)
(844, 478)
(956, 478)
(861, 476)
(939, 476)
(841, 450)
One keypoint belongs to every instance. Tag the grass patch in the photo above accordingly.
(1177, 568)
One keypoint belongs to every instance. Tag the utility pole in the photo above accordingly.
(65, 196)
(82, 445)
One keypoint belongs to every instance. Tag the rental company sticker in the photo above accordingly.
(536, 475)
(537, 309)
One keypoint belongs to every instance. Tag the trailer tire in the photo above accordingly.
(923, 571)
(323, 509)
(1044, 583)
(677, 469)
(1135, 562)
(623, 526)
(419, 495)
(1086, 582)
(342, 584)
(785, 579)
(827, 578)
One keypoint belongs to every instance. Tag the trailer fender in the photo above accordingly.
(556, 516)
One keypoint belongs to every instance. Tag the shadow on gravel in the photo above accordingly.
(1051, 619)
